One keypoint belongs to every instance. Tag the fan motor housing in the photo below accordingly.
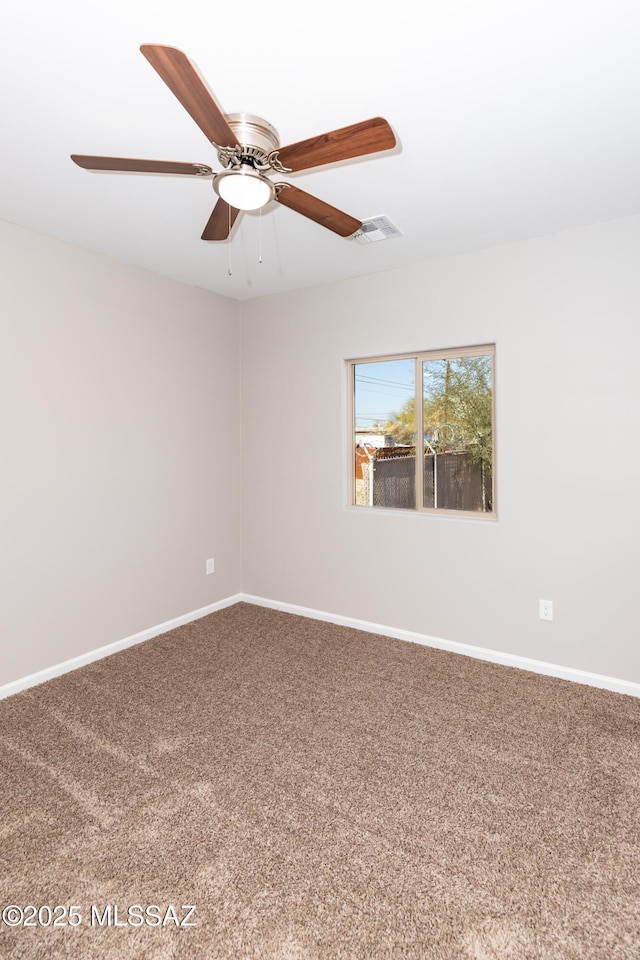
(255, 132)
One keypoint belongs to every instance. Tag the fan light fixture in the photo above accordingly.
(244, 188)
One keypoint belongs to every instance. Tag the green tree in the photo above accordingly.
(457, 396)
(402, 424)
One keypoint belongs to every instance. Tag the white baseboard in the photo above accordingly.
(479, 653)
(35, 678)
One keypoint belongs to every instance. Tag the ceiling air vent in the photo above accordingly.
(378, 228)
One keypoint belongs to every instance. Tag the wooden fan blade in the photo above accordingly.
(324, 214)
(129, 165)
(220, 222)
(179, 74)
(359, 139)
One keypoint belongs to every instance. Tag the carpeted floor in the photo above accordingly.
(317, 793)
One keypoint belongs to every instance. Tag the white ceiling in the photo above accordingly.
(514, 118)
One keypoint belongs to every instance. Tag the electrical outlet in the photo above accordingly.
(546, 609)
(211, 567)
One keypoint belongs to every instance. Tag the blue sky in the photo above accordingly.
(381, 388)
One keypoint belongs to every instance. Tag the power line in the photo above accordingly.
(387, 383)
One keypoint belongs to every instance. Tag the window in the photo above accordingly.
(438, 403)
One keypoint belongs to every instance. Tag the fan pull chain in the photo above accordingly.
(229, 270)
(260, 237)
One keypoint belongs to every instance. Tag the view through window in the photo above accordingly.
(438, 403)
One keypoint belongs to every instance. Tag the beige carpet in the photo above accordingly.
(317, 793)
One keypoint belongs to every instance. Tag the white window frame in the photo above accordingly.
(450, 353)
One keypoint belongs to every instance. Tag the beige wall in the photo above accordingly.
(120, 450)
(564, 312)
(119, 426)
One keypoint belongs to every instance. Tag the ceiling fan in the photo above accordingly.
(248, 148)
